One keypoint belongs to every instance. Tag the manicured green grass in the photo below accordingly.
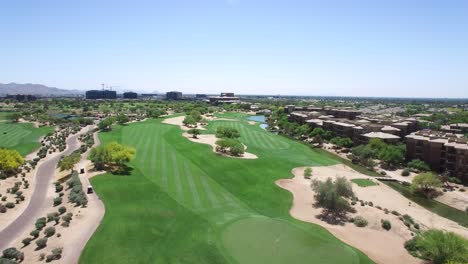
(364, 182)
(182, 203)
(5, 116)
(22, 137)
(434, 206)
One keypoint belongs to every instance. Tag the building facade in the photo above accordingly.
(101, 94)
(130, 95)
(174, 95)
(443, 152)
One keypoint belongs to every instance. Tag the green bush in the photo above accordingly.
(51, 216)
(26, 241)
(10, 205)
(405, 172)
(359, 221)
(57, 201)
(13, 253)
(439, 247)
(41, 243)
(62, 209)
(49, 231)
(35, 233)
(58, 188)
(386, 224)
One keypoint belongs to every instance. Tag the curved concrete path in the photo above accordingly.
(43, 179)
(95, 213)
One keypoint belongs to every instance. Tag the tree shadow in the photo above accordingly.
(333, 217)
(122, 171)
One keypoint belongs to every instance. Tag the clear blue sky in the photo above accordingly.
(354, 48)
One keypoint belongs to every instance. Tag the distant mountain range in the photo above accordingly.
(35, 89)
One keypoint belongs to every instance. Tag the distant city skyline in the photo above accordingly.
(324, 48)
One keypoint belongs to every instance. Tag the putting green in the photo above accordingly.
(266, 240)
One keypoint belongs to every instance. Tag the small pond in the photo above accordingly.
(260, 119)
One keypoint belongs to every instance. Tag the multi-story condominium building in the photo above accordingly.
(443, 152)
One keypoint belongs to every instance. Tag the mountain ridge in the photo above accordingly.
(35, 89)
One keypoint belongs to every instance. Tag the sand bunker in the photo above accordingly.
(380, 245)
(208, 139)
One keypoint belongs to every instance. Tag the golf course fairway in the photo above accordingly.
(182, 203)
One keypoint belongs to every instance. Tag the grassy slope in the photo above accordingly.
(185, 204)
(21, 137)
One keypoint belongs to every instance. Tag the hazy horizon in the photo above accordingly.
(333, 48)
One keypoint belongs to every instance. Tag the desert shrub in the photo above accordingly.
(41, 243)
(65, 224)
(58, 188)
(395, 213)
(62, 209)
(359, 221)
(57, 201)
(4, 198)
(35, 233)
(26, 241)
(41, 257)
(370, 204)
(383, 173)
(10, 205)
(308, 172)
(51, 216)
(331, 195)
(40, 223)
(386, 224)
(405, 172)
(12, 253)
(439, 247)
(49, 231)
(67, 218)
(76, 196)
(3, 209)
(409, 219)
(56, 254)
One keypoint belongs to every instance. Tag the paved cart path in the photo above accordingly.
(39, 200)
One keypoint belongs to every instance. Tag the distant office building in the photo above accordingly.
(130, 95)
(227, 94)
(201, 96)
(101, 94)
(174, 95)
(21, 97)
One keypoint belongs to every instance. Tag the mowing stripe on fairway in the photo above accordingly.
(193, 188)
(164, 166)
(208, 191)
(176, 176)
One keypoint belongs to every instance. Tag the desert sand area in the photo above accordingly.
(380, 245)
(455, 198)
(208, 139)
(83, 224)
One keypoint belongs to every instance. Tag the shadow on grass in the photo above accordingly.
(123, 171)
